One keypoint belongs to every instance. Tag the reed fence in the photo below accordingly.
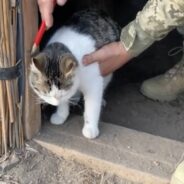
(20, 117)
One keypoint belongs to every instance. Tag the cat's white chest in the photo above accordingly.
(78, 44)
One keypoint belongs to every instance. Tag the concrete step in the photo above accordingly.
(133, 155)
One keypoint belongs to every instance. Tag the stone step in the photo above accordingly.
(133, 155)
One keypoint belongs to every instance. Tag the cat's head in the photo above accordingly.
(52, 74)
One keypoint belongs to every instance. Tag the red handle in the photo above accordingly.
(41, 31)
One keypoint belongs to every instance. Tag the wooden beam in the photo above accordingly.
(32, 112)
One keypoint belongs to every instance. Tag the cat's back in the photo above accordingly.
(86, 31)
(96, 24)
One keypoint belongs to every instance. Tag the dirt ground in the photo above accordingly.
(42, 167)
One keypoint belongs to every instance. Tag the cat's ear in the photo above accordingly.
(39, 62)
(68, 66)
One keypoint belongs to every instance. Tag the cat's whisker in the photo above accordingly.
(74, 103)
(75, 98)
(42, 102)
(38, 100)
(70, 102)
(34, 96)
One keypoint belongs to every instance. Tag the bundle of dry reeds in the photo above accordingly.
(11, 129)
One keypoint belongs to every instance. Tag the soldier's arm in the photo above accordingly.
(153, 23)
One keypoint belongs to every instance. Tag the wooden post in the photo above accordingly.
(32, 112)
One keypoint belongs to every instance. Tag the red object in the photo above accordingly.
(40, 34)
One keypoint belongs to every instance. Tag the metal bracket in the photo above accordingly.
(11, 72)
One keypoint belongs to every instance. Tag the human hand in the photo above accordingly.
(110, 57)
(46, 8)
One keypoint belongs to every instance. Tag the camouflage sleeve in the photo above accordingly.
(154, 22)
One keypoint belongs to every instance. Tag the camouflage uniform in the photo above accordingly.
(153, 23)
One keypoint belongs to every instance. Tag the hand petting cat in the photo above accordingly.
(46, 8)
(110, 57)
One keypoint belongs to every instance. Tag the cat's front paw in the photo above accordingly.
(90, 132)
(56, 119)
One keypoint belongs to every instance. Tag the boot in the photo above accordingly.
(165, 87)
(178, 176)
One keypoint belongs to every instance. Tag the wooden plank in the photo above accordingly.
(32, 112)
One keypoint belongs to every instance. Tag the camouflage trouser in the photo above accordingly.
(153, 23)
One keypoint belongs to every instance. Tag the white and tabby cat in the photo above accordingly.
(57, 72)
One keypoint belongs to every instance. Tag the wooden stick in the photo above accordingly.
(20, 124)
(2, 87)
(1, 139)
(3, 117)
(5, 85)
(6, 7)
(1, 151)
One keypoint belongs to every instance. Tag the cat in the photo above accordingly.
(57, 72)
